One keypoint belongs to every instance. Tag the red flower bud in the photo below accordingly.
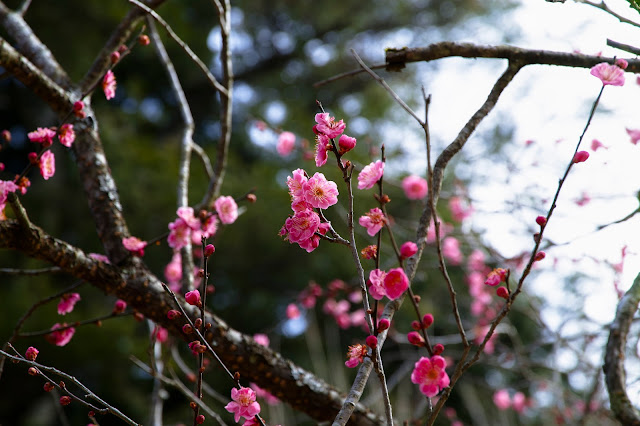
(539, 256)
(208, 250)
(502, 292)
(581, 156)
(372, 341)
(427, 320)
(438, 349)
(65, 400)
(48, 387)
(383, 324)
(541, 220)
(416, 325)
(187, 329)
(415, 338)
(173, 314)
(143, 40)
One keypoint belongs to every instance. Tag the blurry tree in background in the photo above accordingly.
(308, 304)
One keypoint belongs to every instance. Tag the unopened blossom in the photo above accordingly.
(143, 40)
(383, 324)
(622, 63)
(415, 338)
(193, 298)
(541, 220)
(244, 403)
(134, 245)
(65, 400)
(323, 146)
(451, 250)
(430, 375)
(539, 256)
(501, 399)
(376, 281)
(67, 303)
(42, 135)
(31, 354)
(427, 320)
(161, 334)
(261, 339)
(328, 126)
(608, 74)
(371, 174)
(580, 157)
(286, 143)
(356, 354)
(395, 283)
(5, 135)
(109, 85)
(408, 249)
(374, 220)
(415, 187)
(320, 192)
(346, 144)
(293, 311)
(502, 292)
(47, 165)
(60, 337)
(66, 135)
(227, 209)
(495, 277)
(634, 134)
(119, 307)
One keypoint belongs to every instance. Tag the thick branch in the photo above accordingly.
(397, 58)
(613, 367)
(142, 291)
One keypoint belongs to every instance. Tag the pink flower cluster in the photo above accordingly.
(430, 375)
(327, 129)
(391, 284)
(503, 401)
(188, 228)
(244, 404)
(308, 194)
(60, 337)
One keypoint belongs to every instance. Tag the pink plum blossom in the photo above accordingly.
(356, 354)
(314, 241)
(459, 212)
(179, 234)
(109, 85)
(261, 339)
(293, 311)
(323, 146)
(67, 302)
(244, 404)
(395, 283)
(302, 225)
(42, 135)
(67, 135)
(320, 192)
(451, 250)
(408, 249)
(634, 134)
(501, 399)
(475, 262)
(495, 277)
(186, 214)
(370, 175)
(173, 270)
(415, 187)
(210, 226)
(134, 245)
(47, 165)
(430, 375)
(99, 257)
(328, 126)
(596, 144)
(286, 143)
(376, 281)
(60, 337)
(609, 74)
(374, 220)
(227, 209)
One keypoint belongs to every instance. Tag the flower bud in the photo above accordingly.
(6, 136)
(31, 353)
(502, 292)
(541, 220)
(383, 324)
(408, 249)
(580, 157)
(33, 157)
(415, 338)
(198, 322)
(415, 325)
(119, 306)
(187, 329)
(427, 320)
(199, 419)
(32, 371)
(371, 341)
(173, 314)
(48, 387)
(65, 400)
(209, 250)
(143, 40)
(438, 349)
(539, 256)
(252, 198)
(115, 57)
(193, 298)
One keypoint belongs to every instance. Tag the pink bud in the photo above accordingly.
(78, 106)
(143, 40)
(115, 57)
(173, 314)
(372, 341)
(415, 338)
(32, 371)
(408, 249)
(187, 329)
(427, 320)
(581, 156)
(199, 419)
(65, 400)
(622, 63)
(31, 353)
(383, 324)
(193, 298)
(541, 220)
(33, 157)
(119, 307)
(6, 136)
(416, 325)
(293, 311)
(539, 256)
(438, 349)
(502, 292)
(48, 387)
(1, 167)
(208, 250)
(346, 143)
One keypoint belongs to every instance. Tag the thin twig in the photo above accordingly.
(31, 272)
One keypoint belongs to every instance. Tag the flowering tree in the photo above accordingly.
(440, 349)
